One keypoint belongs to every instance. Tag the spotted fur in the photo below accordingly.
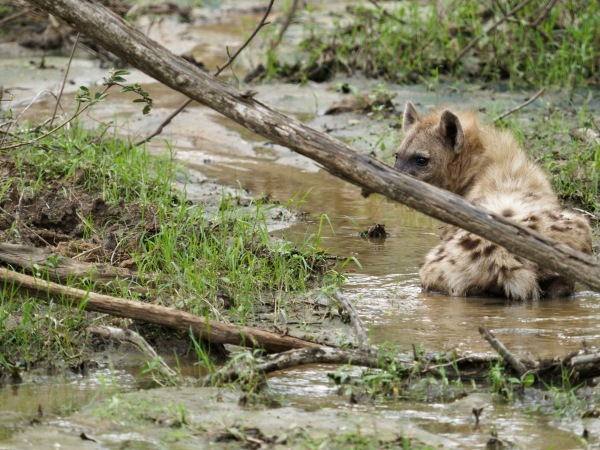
(487, 167)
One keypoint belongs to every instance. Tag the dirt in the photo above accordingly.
(56, 216)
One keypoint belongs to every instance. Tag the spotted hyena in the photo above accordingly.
(486, 166)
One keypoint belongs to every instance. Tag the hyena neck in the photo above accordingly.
(504, 168)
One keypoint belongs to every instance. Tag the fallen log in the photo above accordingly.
(216, 332)
(449, 365)
(60, 268)
(119, 37)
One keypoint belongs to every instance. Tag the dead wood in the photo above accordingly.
(137, 341)
(338, 158)
(293, 358)
(452, 366)
(517, 365)
(359, 329)
(59, 268)
(217, 332)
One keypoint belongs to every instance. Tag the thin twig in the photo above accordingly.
(503, 351)
(13, 17)
(16, 120)
(181, 107)
(495, 25)
(385, 13)
(164, 123)
(521, 106)
(55, 129)
(62, 86)
(21, 223)
(263, 22)
(359, 329)
(542, 16)
(285, 26)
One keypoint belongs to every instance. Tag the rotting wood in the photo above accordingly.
(119, 37)
(60, 268)
(216, 332)
(136, 340)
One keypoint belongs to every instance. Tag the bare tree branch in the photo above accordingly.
(503, 351)
(62, 86)
(521, 106)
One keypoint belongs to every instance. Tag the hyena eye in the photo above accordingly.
(421, 161)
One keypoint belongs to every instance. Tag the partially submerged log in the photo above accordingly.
(453, 366)
(216, 332)
(119, 37)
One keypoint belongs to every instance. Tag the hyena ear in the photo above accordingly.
(411, 116)
(451, 130)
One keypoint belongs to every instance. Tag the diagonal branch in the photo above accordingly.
(521, 106)
(337, 157)
(503, 351)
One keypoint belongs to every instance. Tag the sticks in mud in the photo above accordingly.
(503, 351)
(359, 328)
(216, 332)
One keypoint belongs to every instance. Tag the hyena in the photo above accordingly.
(486, 166)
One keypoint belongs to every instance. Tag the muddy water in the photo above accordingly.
(385, 287)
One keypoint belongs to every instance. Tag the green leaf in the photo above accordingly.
(528, 380)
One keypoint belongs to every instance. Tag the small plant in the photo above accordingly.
(506, 386)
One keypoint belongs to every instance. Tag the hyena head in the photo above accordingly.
(431, 143)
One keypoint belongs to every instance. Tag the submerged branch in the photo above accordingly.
(359, 328)
(517, 365)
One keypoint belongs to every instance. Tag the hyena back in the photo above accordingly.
(487, 167)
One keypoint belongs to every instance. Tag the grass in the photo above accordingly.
(223, 265)
(572, 164)
(408, 42)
